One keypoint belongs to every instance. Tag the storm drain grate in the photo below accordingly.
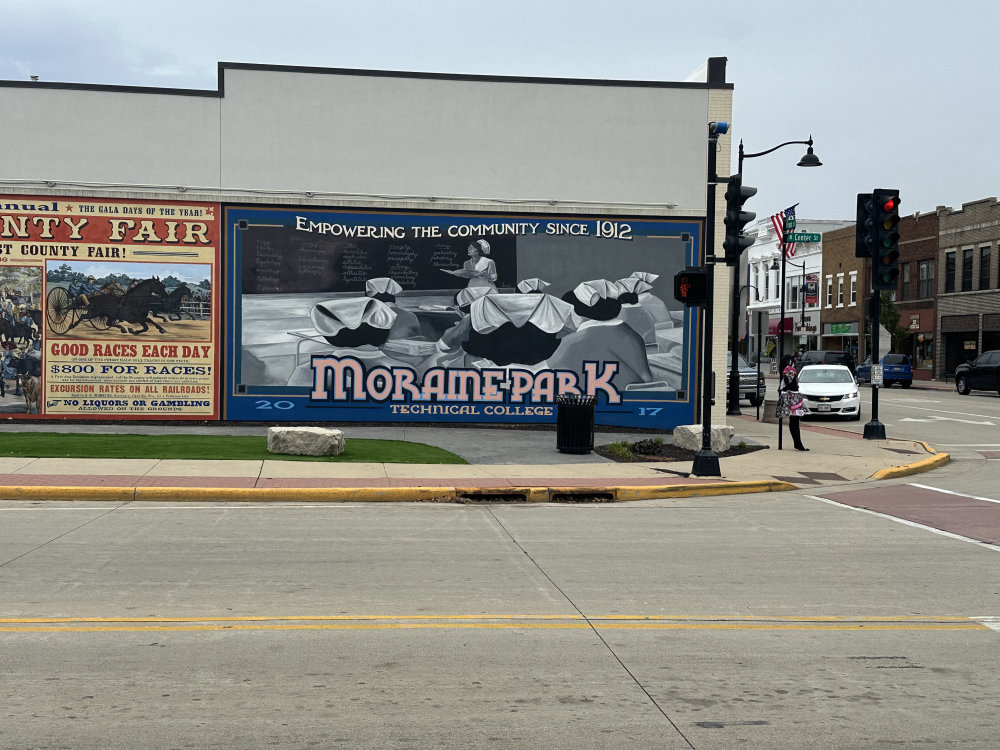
(584, 496)
(493, 497)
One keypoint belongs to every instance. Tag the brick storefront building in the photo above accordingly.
(916, 294)
(846, 284)
(968, 298)
(843, 287)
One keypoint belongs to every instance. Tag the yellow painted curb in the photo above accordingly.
(918, 467)
(625, 494)
(297, 494)
(112, 494)
(532, 494)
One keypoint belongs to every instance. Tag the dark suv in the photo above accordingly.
(981, 375)
(825, 358)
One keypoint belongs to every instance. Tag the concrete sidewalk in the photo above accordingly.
(505, 465)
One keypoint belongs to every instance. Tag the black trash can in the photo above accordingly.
(575, 424)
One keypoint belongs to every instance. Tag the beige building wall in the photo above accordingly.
(384, 140)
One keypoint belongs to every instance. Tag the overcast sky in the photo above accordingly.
(896, 94)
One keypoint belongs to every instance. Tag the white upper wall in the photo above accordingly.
(505, 139)
(90, 134)
(376, 134)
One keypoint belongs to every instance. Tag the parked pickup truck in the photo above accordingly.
(896, 368)
(751, 387)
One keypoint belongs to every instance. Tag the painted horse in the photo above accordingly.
(170, 306)
(133, 307)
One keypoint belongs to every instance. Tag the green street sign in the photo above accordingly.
(789, 223)
(801, 237)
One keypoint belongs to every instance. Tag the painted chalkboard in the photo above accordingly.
(280, 260)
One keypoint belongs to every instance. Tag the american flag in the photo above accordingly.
(778, 221)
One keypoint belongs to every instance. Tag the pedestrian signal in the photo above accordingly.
(691, 286)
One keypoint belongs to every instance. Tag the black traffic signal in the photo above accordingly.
(863, 228)
(870, 305)
(885, 239)
(691, 286)
(736, 218)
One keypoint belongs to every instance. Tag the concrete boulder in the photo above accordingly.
(305, 441)
(688, 436)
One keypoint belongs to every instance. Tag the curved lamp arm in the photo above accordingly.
(809, 160)
(780, 145)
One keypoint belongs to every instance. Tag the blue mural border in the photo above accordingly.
(282, 403)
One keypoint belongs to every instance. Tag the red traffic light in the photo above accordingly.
(889, 205)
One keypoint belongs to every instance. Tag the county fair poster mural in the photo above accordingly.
(106, 308)
(363, 316)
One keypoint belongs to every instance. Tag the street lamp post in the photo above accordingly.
(809, 159)
(802, 287)
(756, 294)
(783, 247)
(706, 461)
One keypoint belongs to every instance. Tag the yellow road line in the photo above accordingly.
(591, 618)
(488, 622)
(499, 626)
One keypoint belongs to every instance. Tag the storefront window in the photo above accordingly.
(926, 279)
(923, 355)
(967, 270)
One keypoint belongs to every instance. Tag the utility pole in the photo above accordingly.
(706, 461)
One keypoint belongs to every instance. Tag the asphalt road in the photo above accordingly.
(764, 621)
(939, 416)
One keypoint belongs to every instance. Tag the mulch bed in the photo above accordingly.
(650, 450)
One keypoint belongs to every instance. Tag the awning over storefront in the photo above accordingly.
(959, 323)
(774, 326)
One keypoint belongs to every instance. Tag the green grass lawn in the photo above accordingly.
(217, 447)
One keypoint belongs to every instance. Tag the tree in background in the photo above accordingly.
(890, 321)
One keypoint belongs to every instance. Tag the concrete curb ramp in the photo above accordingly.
(931, 462)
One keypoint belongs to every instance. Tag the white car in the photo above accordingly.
(830, 390)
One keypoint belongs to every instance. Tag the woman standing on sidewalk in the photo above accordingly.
(790, 401)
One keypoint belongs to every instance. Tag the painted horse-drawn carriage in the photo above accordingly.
(111, 306)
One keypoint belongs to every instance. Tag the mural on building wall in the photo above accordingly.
(108, 308)
(363, 316)
(21, 334)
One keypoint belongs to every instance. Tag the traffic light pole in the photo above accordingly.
(781, 324)
(734, 244)
(733, 396)
(881, 216)
(706, 461)
(875, 430)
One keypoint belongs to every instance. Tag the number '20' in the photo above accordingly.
(264, 404)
